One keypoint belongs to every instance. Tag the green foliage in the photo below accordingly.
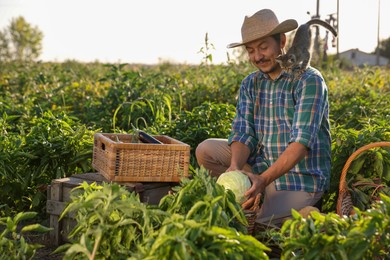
(180, 238)
(193, 223)
(362, 236)
(50, 111)
(368, 176)
(203, 200)
(359, 113)
(110, 222)
(47, 148)
(205, 51)
(359, 98)
(345, 141)
(188, 103)
(209, 120)
(13, 244)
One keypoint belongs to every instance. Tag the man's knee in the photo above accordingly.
(202, 149)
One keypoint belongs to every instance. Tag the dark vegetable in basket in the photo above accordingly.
(145, 138)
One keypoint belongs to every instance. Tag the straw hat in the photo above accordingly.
(262, 24)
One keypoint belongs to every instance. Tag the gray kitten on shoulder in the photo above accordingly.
(298, 57)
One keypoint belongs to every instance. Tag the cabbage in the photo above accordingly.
(237, 182)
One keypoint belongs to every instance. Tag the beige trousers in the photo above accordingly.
(215, 154)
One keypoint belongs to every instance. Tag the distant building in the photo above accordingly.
(360, 58)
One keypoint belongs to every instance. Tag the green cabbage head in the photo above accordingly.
(237, 182)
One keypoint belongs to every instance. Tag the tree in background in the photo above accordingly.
(384, 48)
(20, 41)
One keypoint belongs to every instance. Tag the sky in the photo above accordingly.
(155, 31)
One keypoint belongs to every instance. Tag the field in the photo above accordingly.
(50, 112)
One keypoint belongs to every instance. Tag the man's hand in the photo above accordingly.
(258, 187)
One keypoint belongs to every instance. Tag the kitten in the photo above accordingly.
(298, 57)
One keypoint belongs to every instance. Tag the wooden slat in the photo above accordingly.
(57, 207)
(59, 195)
(55, 194)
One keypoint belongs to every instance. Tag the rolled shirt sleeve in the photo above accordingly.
(243, 129)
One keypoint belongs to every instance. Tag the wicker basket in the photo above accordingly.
(251, 214)
(120, 160)
(344, 201)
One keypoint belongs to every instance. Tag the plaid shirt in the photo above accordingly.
(270, 114)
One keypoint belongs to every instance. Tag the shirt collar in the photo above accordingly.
(282, 75)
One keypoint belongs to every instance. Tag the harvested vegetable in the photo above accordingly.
(237, 182)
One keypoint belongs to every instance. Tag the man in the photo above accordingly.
(280, 135)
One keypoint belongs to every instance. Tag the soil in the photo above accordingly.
(46, 251)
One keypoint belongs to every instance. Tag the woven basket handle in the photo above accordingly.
(102, 141)
(343, 188)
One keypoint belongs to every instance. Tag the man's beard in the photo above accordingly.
(272, 69)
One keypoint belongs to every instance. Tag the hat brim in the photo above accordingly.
(283, 27)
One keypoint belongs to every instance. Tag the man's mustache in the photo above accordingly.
(261, 60)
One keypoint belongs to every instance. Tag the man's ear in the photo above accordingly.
(283, 40)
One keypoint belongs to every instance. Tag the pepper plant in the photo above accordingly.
(365, 235)
(13, 244)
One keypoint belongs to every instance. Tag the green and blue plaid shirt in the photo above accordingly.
(270, 114)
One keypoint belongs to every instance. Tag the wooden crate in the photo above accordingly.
(119, 159)
(59, 195)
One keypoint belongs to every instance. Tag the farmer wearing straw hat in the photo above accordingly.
(280, 134)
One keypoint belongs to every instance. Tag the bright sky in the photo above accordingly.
(151, 31)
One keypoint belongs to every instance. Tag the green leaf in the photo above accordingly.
(24, 216)
(36, 228)
(295, 214)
